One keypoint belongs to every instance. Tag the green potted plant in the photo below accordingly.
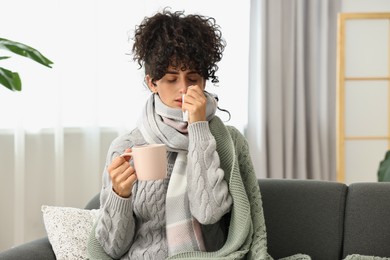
(10, 79)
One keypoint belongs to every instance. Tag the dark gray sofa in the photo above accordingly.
(326, 220)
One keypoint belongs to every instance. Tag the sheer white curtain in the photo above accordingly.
(54, 134)
(255, 131)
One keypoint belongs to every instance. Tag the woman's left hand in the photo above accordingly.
(195, 103)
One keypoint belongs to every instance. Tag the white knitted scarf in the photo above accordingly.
(183, 230)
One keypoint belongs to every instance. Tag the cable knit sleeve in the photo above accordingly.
(208, 192)
(116, 226)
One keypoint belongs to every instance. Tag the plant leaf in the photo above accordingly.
(10, 80)
(4, 57)
(25, 51)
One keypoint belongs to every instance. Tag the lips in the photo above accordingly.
(178, 102)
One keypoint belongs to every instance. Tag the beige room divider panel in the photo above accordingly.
(363, 93)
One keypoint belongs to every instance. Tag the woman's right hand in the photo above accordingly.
(122, 175)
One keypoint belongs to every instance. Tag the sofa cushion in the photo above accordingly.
(366, 219)
(304, 216)
(68, 230)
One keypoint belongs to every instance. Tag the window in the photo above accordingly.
(94, 81)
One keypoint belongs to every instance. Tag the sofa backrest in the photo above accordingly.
(304, 216)
(367, 217)
(94, 203)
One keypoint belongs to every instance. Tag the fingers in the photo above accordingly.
(194, 95)
(124, 185)
(118, 161)
(129, 182)
(122, 175)
(195, 103)
(123, 172)
(127, 154)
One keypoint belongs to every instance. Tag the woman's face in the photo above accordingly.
(174, 84)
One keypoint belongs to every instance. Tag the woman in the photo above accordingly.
(209, 204)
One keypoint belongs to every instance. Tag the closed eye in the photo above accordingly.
(171, 80)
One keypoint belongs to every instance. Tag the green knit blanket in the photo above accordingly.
(365, 257)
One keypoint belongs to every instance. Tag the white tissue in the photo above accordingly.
(185, 113)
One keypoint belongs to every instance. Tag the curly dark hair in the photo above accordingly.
(183, 41)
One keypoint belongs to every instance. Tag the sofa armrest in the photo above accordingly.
(36, 249)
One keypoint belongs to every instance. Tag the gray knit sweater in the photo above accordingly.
(134, 228)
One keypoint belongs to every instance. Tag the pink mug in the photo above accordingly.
(150, 161)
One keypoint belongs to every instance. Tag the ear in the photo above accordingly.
(150, 84)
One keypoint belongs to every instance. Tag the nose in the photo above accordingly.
(184, 86)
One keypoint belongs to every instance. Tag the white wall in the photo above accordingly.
(365, 6)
